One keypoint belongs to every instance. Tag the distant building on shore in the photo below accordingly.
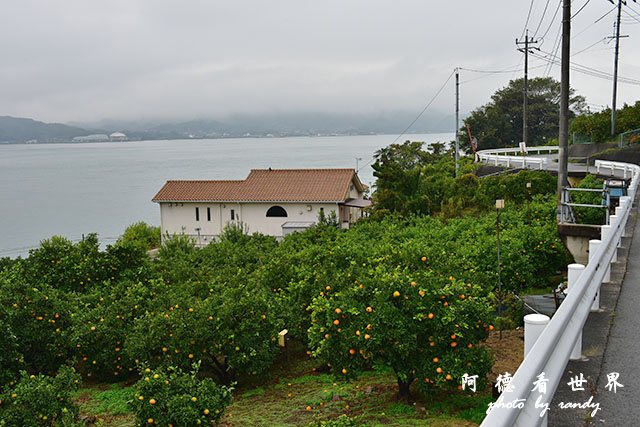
(118, 136)
(273, 202)
(99, 137)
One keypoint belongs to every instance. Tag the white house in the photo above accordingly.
(273, 202)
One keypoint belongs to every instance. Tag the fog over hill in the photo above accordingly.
(18, 130)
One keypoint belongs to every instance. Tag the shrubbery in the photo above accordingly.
(173, 397)
(39, 400)
(598, 125)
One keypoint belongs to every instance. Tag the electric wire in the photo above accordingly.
(417, 117)
(556, 46)
(594, 22)
(552, 20)
(632, 16)
(580, 10)
(587, 70)
(544, 12)
(528, 16)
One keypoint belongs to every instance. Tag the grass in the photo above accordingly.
(298, 394)
(106, 405)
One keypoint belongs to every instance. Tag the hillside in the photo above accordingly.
(15, 129)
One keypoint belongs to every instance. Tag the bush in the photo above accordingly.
(425, 328)
(589, 215)
(172, 397)
(40, 318)
(39, 400)
(10, 357)
(143, 235)
(342, 421)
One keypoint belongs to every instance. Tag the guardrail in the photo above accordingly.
(521, 403)
(512, 157)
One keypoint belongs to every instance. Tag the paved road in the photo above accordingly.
(622, 352)
(609, 344)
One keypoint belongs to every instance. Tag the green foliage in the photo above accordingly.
(331, 219)
(106, 319)
(231, 330)
(40, 318)
(589, 215)
(173, 397)
(342, 421)
(423, 326)
(598, 125)
(143, 235)
(498, 123)
(414, 181)
(39, 400)
(10, 358)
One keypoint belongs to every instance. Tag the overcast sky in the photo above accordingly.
(80, 60)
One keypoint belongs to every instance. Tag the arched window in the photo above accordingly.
(276, 211)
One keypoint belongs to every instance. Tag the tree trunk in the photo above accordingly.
(404, 394)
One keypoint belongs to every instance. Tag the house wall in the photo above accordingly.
(177, 218)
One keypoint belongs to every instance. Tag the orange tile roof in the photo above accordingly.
(264, 185)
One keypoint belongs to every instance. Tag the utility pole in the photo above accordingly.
(615, 67)
(457, 119)
(563, 137)
(525, 101)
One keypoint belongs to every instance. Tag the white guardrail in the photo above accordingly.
(521, 403)
(512, 157)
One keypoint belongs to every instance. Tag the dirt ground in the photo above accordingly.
(508, 351)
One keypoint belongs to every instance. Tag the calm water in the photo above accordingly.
(75, 189)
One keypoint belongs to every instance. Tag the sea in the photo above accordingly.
(75, 189)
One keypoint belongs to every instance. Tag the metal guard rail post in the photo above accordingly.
(500, 156)
(551, 351)
(520, 405)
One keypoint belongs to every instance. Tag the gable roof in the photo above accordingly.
(266, 185)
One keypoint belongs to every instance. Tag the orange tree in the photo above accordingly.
(169, 396)
(10, 358)
(227, 325)
(40, 318)
(106, 319)
(425, 328)
(40, 400)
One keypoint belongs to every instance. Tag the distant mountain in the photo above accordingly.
(15, 129)
(282, 124)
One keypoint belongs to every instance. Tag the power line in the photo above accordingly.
(587, 70)
(544, 12)
(632, 16)
(594, 22)
(587, 48)
(417, 117)
(580, 10)
(528, 16)
(556, 46)
(552, 20)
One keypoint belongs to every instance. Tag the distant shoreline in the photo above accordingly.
(333, 135)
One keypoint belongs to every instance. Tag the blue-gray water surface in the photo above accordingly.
(75, 189)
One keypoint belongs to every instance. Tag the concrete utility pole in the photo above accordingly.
(457, 119)
(563, 137)
(525, 101)
(615, 68)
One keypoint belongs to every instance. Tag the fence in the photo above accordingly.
(629, 138)
(521, 403)
(512, 157)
